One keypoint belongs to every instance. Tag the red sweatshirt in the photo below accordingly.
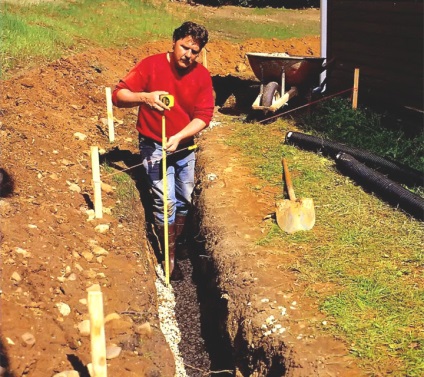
(192, 91)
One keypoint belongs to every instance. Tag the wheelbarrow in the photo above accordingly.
(282, 77)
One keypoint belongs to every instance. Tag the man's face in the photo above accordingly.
(185, 52)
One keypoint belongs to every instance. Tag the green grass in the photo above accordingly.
(126, 192)
(369, 253)
(236, 30)
(46, 31)
(363, 128)
(31, 34)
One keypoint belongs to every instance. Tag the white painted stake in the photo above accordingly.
(95, 166)
(204, 58)
(110, 115)
(355, 89)
(97, 331)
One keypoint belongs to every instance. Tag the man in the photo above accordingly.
(176, 73)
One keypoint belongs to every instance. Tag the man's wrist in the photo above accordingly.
(143, 97)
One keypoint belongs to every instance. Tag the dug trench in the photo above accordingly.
(53, 249)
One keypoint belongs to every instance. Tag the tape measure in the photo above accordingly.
(167, 99)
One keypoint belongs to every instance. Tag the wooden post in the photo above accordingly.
(95, 166)
(204, 58)
(110, 115)
(97, 331)
(355, 89)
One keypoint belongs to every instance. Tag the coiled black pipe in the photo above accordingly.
(385, 188)
(396, 171)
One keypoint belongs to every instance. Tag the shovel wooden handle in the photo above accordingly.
(287, 179)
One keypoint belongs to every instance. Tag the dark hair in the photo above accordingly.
(196, 31)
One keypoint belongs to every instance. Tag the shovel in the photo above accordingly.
(294, 214)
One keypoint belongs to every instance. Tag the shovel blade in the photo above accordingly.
(295, 215)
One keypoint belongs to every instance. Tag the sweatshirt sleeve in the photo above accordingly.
(204, 106)
(133, 81)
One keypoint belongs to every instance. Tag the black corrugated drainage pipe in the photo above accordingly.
(398, 172)
(385, 188)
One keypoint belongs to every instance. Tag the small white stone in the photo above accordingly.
(98, 251)
(212, 176)
(10, 341)
(264, 300)
(84, 327)
(67, 373)
(28, 339)
(91, 214)
(75, 188)
(144, 329)
(80, 136)
(102, 228)
(106, 188)
(113, 352)
(64, 309)
(78, 267)
(111, 317)
(87, 255)
(16, 277)
(22, 252)
(270, 320)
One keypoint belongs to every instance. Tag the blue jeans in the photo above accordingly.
(180, 179)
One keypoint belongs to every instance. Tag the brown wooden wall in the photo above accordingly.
(384, 39)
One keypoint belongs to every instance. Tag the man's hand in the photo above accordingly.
(172, 143)
(152, 100)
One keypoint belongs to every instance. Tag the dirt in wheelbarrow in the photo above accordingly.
(53, 249)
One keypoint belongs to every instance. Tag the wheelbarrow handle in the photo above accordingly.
(287, 179)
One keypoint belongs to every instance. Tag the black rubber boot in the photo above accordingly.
(181, 240)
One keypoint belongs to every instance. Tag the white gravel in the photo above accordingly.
(168, 322)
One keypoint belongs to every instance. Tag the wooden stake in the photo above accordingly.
(95, 166)
(97, 331)
(355, 89)
(110, 115)
(204, 59)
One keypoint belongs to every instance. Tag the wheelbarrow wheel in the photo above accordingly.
(271, 93)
